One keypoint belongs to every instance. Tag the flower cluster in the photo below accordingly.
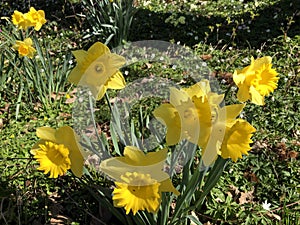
(32, 18)
(194, 114)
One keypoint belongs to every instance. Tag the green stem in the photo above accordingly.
(212, 179)
(91, 107)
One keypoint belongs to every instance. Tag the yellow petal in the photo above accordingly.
(116, 61)
(232, 111)
(167, 115)
(238, 77)
(75, 75)
(256, 97)
(28, 41)
(259, 62)
(243, 93)
(199, 89)
(135, 160)
(46, 133)
(66, 136)
(178, 96)
(211, 150)
(117, 81)
(115, 168)
(100, 91)
(167, 186)
(98, 49)
(136, 157)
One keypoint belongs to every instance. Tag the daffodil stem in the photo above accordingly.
(227, 90)
(108, 102)
(185, 199)
(104, 153)
(212, 179)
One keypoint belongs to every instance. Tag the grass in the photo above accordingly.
(224, 34)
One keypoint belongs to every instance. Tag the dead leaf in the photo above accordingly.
(293, 154)
(246, 197)
(206, 57)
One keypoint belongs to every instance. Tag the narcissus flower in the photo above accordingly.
(98, 69)
(188, 115)
(139, 179)
(20, 20)
(32, 18)
(195, 114)
(25, 48)
(58, 151)
(237, 139)
(137, 191)
(256, 80)
(36, 18)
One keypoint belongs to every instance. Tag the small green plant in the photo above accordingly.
(29, 65)
(109, 20)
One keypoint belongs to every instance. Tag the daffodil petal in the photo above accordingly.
(232, 111)
(211, 150)
(115, 168)
(178, 96)
(98, 49)
(256, 97)
(167, 186)
(65, 135)
(46, 133)
(238, 78)
(117, 81)
(259, 62)
(136, 157)
(243, 93)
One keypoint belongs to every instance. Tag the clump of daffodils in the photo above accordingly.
(33, 18)
(24, 21)
(194, 114)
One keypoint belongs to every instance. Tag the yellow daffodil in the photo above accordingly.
(188, 115)
(237, 140)
(256, 80)
(36, 18)
(137, 191)
(195, 114)
(58, 151)
(139, 179)
(20, 20)
(222, 127)
(25, 48)
(98, 69)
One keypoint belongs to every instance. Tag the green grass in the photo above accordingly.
(221, 33)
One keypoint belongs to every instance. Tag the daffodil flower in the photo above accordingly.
(256, 80)
(139, 179)
(188, 115)
(195, 114)
(36, 18)
(32, 18)
(58, 151)
(98, 69)
(20, 20)
(230, 137)
(25, 48)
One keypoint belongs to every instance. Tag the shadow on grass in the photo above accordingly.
(282, 18)
(270, 23)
